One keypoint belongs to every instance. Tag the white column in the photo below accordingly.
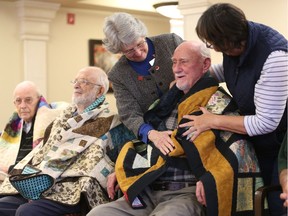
(176, 26)
(191, 11)
(35, 18)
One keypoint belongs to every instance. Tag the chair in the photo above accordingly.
(260, 196)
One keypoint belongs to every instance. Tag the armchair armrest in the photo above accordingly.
(259, 198)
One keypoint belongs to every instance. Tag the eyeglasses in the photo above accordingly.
(217, 47)
(83, 82)
(132, 51)
(208, 45)
(28, 100)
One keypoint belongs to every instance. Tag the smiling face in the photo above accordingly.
(189, 65)
(136, 51)
(26, 98)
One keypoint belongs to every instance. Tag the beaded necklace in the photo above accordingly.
(94, 104)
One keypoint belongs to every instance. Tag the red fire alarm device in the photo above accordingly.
(71, 18)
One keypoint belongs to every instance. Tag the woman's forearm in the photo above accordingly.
(229, 123)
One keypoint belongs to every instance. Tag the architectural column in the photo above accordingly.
(35, 18)
(191, 11)
(176, 26)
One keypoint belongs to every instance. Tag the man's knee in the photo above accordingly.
(98, 210)
(24, 210)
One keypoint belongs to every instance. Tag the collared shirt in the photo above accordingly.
(27, 126)
(172, 173)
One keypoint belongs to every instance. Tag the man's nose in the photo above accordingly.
(76, 85)
(176, 67)
(23, 105)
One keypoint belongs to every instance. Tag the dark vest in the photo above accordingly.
(242, 73)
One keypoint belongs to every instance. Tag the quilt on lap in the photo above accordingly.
(75, 154)
(223, 161)
(11, 135)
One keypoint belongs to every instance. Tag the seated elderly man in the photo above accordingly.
(174, 176)
(17, 139)
(74, 152)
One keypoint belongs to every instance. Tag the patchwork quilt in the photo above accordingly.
(225, 162)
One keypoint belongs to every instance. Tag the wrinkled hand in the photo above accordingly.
(162, 140)
(112, 185)
(197, 124)
(200, 193)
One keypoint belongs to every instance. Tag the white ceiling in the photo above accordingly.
(115, 5)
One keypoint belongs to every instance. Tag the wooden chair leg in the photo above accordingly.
(260, 196)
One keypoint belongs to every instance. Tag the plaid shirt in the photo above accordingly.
(172, 173)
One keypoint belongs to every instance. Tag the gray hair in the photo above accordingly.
(204, 51)
(122, 29)
(100, 76)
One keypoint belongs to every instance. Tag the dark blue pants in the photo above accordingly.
(18, 206)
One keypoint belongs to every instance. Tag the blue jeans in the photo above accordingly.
(19, 206)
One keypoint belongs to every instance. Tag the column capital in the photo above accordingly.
(35, 18)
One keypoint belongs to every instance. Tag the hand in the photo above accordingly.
(197, 124)
(284, 196)
(284, 184)
(111, 188)
(162, 140)
(200, 193)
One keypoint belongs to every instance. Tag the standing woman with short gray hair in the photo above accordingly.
(143, 73)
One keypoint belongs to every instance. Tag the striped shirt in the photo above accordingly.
(271, 93)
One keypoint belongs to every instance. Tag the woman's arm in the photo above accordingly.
(271, 92)
(217, 72)
(270, 97)
(207, 121)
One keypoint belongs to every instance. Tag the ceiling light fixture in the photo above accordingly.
(168, 9)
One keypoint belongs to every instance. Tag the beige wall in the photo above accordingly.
(10, 59)
(67, 49)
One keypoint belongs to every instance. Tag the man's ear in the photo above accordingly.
(206, 64)
(100, 92)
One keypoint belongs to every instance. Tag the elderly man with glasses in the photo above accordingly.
(77, 152)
